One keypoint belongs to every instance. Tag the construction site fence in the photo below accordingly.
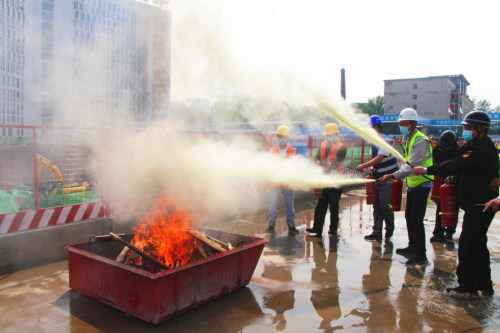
(51, 176)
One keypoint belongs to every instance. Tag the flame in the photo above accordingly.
(162, 232)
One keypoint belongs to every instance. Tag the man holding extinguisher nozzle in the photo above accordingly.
(476, 165)
(382, 163)
(418, 152)
(330, 157)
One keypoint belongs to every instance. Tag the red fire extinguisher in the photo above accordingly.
(396, 195)
(318, 193)
(436, 188)
(448, 208)
(370, 191)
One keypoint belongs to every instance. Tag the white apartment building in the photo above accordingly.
(433, 97)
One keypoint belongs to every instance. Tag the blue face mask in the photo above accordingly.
(282, 141)
(468, 136)
(404, 130)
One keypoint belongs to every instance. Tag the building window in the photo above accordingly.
(414, 107)
(415, 96)
(414, 86)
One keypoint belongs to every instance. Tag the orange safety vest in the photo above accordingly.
(289, 153)
(327, 162)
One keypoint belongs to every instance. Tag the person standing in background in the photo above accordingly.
(286, 151)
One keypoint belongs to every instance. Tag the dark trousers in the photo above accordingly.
(416, 205)
(439, 230)
(473, 270)
(331, 196)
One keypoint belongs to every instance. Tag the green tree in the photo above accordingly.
(482, 105)
(374, 106)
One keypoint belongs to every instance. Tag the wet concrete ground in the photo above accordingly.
(301, 284)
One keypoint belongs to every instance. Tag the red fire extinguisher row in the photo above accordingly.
(448, 208)
(370, 191)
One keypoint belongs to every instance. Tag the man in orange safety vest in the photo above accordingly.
(286, 151)
(331, 157)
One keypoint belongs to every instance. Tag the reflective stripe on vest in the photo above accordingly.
(289, 152)
(327, 162)
(414, 181)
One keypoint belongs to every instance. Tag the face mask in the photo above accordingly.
(404, 130)
(331, 139)
(282, 141)
(468, 136)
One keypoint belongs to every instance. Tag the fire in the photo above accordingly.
(162, 233)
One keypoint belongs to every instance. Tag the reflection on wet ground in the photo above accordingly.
(301, 284)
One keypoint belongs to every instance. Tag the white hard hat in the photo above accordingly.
(408, 114)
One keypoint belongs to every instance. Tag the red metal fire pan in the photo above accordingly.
(156, 297)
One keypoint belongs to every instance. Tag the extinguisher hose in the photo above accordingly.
(432, 180)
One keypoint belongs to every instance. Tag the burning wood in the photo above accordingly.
(210, 241)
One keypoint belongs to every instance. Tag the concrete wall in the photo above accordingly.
(40, 246)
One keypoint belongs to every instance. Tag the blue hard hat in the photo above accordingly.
(375, 120)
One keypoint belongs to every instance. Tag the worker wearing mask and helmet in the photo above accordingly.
(418, 152)
(286, 151)
(382, 163)
(444, 151)
(331, 157)
(476, 165)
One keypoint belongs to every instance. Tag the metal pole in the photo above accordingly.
(35, 170)
(310, 147)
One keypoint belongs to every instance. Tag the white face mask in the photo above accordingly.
(331, 139)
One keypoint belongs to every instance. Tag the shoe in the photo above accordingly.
(405, 250)
(461, 291)
(373, 237)
(293, 230)
(332, 232)
(448, 236)
(436, 239)
(388, 234)
(312, 231)
(270, 229)
(418, 260)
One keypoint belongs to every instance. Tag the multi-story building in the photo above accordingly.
(12, 66)
(434, 97)
(85, 62)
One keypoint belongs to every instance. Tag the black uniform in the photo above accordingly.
(440, 155)
(476, 165)
(331, 196)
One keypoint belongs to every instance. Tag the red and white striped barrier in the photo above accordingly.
(32, 219)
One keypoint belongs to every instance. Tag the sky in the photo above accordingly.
(372, 40)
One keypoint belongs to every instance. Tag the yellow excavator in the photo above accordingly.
(53, 187)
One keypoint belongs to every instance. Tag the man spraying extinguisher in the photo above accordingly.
(418, 152)
(286, 151)
(382, 163)
(331, 157)
(476, 165)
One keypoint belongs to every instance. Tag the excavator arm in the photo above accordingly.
(42, 161)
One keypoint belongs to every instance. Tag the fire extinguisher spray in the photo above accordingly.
(448, 208)
(370, 191)
(396, 195)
